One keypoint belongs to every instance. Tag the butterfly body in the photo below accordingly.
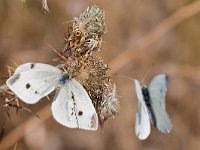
(151, 107)
(147, 100)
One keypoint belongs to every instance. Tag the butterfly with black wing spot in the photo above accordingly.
(72, 106)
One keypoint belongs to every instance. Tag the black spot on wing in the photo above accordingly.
(14, 78)
(32, 66)
(72, 113)
(36, 92)
(28, 85)
(80, 113)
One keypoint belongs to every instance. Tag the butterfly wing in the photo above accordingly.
(32, 81)
(157, 90)
(142, 125)
(73, 107)
(34, 66)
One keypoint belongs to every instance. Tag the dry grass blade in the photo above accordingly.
(115, 64)
(155, 34)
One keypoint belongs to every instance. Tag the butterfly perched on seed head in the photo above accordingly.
(72, 107)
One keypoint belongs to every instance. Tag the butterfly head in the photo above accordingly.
(142, 84)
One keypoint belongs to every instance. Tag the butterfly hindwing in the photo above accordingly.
(32, 81)
(73, 107)
(142, 125)
(157, 90)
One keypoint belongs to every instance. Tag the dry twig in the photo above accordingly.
(155, 34)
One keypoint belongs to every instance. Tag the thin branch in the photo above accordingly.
(155, 34)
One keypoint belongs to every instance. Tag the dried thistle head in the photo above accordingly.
(91, 21)
(99, 87)
(84, 37)
(85, 32)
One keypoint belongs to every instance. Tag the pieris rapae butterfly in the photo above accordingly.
(151, 107)
(72, 106)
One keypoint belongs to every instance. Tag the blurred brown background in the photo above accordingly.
(26, 31)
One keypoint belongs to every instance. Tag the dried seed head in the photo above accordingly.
(84, 37)
(99, 87)
(85, 32)
(91, 21)
(96, 78)
(110, 104)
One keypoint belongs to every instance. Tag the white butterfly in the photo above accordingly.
(151, 107)
(72, 106)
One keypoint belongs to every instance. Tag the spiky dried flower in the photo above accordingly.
(84, 37)
(85, 32)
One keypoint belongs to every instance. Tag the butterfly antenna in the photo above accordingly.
(147, 73)
(67, 22)
(15, 63)
(10, 70)
(125, 77)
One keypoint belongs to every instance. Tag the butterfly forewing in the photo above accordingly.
(35, 66)
(73, 107)
(142, 125)
(157, 90)
(32, 81)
